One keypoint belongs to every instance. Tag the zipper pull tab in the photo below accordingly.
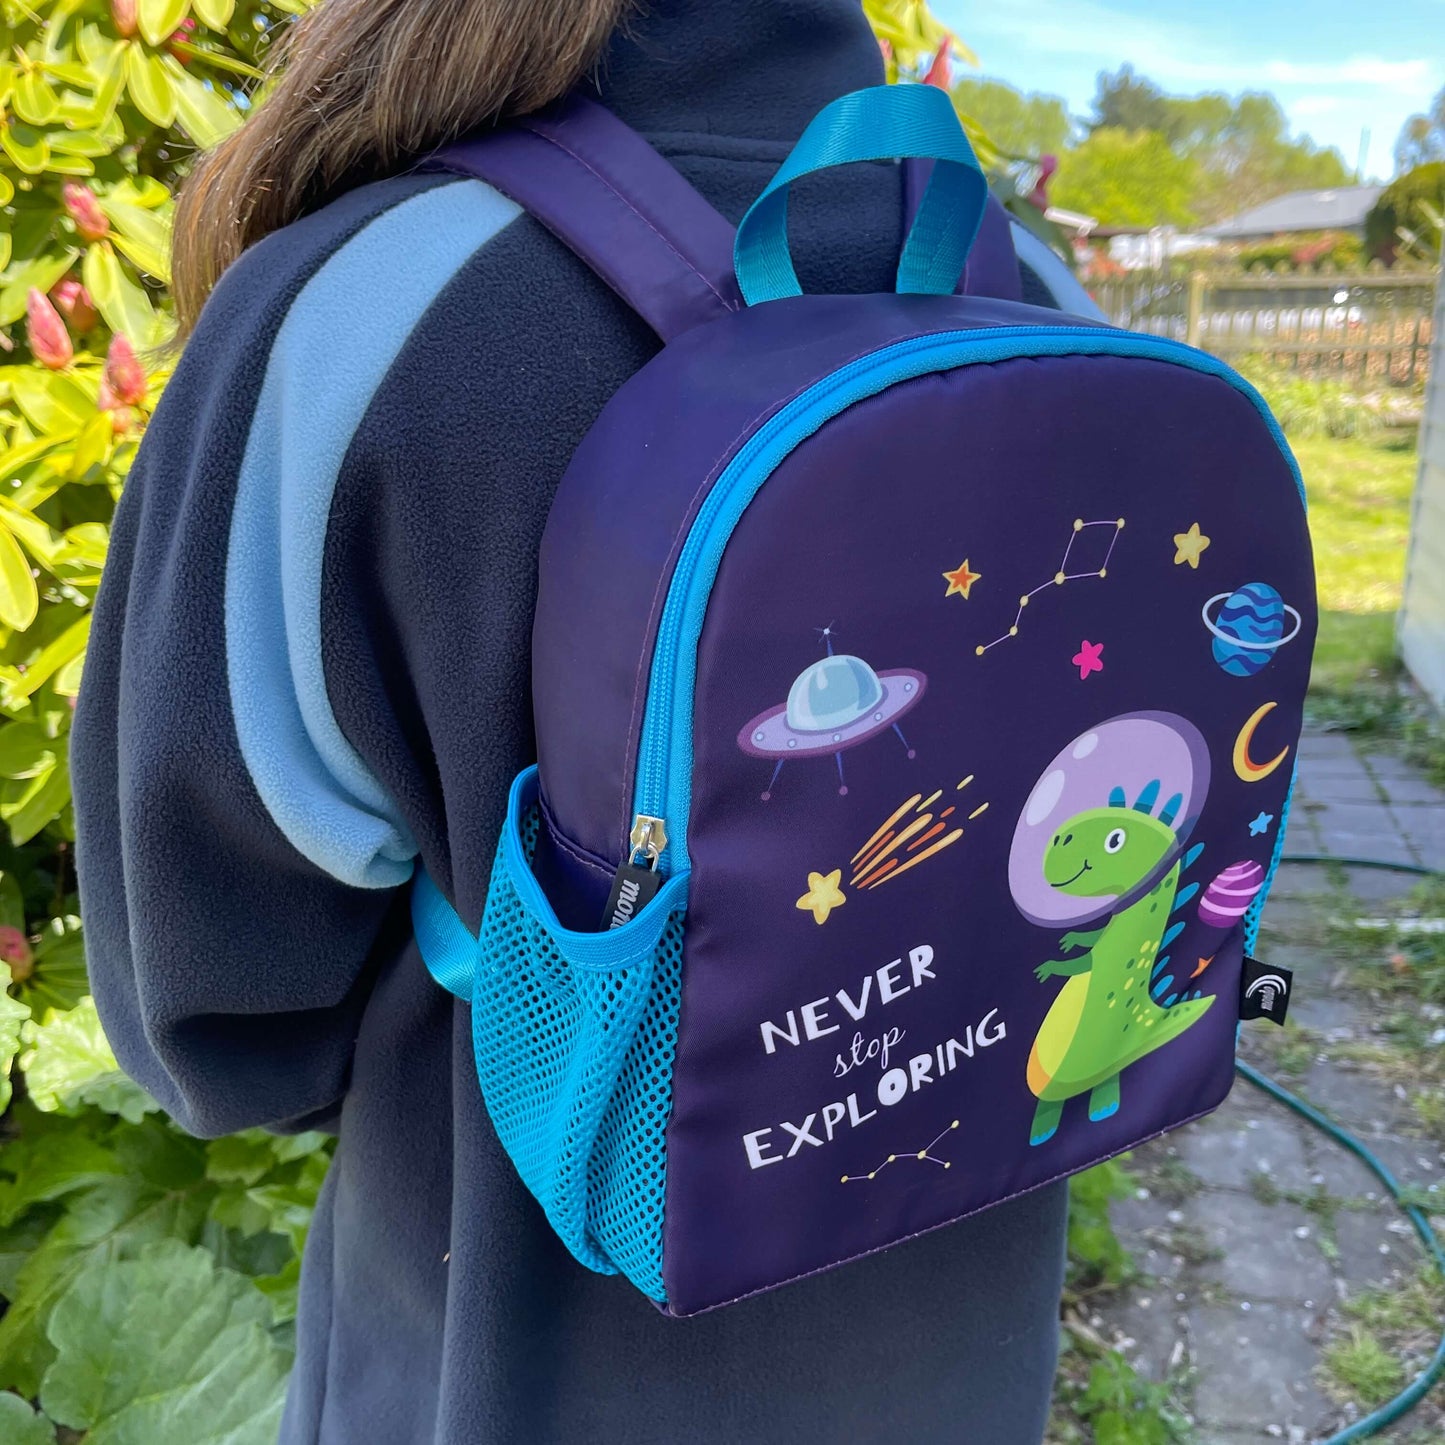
(637, 881)
(649, 837)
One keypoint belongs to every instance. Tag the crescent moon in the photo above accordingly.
(1252, 772)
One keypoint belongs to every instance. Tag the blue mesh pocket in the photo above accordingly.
(575, 1035)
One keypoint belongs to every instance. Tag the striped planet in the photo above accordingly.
(1248, 628)
(1226, 900)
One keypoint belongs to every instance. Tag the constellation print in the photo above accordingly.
(1063, 574)
(925, 1154)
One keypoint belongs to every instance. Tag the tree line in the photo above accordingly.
(1146, 158)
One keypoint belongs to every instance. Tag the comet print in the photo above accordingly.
(917, 830)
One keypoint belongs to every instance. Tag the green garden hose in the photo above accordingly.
(1408, 1398)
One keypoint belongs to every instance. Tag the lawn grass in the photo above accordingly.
(1359, 495)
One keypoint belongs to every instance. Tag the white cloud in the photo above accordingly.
(1173, 52)
(1366, 70)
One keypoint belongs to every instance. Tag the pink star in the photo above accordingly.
(1089, 658)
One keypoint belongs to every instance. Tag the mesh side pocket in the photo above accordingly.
(574, 1037)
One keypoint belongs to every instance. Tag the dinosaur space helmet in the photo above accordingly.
(1155, 760)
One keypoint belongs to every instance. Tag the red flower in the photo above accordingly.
(940, 73)
(73, 302)
(124, 13)
(49, 340)
(16, 951)
(1039, 196)
(90, 220)
(123, 383)
(185, 33)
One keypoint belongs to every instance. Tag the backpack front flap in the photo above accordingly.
(917, 685)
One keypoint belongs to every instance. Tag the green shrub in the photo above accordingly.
(1415, 205)
(1306, 407)
(111, 1221)
(1323, 251)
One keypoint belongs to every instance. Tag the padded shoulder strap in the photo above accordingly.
(600, 188)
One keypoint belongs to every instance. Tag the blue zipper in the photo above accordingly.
(663, 786)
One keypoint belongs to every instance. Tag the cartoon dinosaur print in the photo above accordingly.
(1107, 1016)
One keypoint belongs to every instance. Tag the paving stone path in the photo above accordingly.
(1253, 1229)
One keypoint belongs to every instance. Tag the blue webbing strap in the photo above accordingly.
(448, 950)
(881, 123)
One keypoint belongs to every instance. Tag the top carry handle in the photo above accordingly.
(601, 189)
(881, 123)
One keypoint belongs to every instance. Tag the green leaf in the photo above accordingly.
(30, 807)
(52, 401)
(68, 1065)
(20, 1425)
(25, 750)
(34, 98)
(19, 596)
(160, 19)
(165, 1349)
(13, 1013)
(12, 902)
(217, 60)
(214, 14)
(121, 300)
(42, 273)
(108, 1220)
(204, 113)
(110, 74)
(7, 190)
(49, 1164)
(58, 978)
(53, 656)
(28, 150)
(80, 143)
(143, 235)
(149, 86)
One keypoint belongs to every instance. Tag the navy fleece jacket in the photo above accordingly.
(323, 569)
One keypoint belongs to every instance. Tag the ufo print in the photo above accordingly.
(833, 705)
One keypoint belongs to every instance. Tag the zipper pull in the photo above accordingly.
(638, 880)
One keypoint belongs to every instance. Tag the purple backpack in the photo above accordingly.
(917, 682)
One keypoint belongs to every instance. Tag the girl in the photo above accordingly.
(401, 367)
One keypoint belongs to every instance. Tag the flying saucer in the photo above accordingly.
(833, 705)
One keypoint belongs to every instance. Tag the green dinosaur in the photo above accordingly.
(1109, 1014)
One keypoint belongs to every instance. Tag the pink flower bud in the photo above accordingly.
(16, 951)
(1039, 196)
(184, 33)
(73, 302)
(90, 220)
(124, 13)
(49, 340)
(940, 73)
(124, 379)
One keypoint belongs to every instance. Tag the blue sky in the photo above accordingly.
(1336, 65)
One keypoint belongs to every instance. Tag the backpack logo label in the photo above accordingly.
(633, 888)
(1264, 991)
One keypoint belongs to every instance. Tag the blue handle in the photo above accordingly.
(885, 122)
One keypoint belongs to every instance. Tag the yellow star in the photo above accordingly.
(1190, 545)
(823, 895)
(960, 580)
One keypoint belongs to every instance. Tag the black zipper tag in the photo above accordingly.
(633, 888)
(1264, 991)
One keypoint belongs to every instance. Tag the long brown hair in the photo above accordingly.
(362, 88)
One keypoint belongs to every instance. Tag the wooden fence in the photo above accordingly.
(1375, 329)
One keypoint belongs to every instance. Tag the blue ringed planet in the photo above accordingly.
(1249, 626)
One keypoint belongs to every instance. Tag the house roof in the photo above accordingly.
(1341, 209)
